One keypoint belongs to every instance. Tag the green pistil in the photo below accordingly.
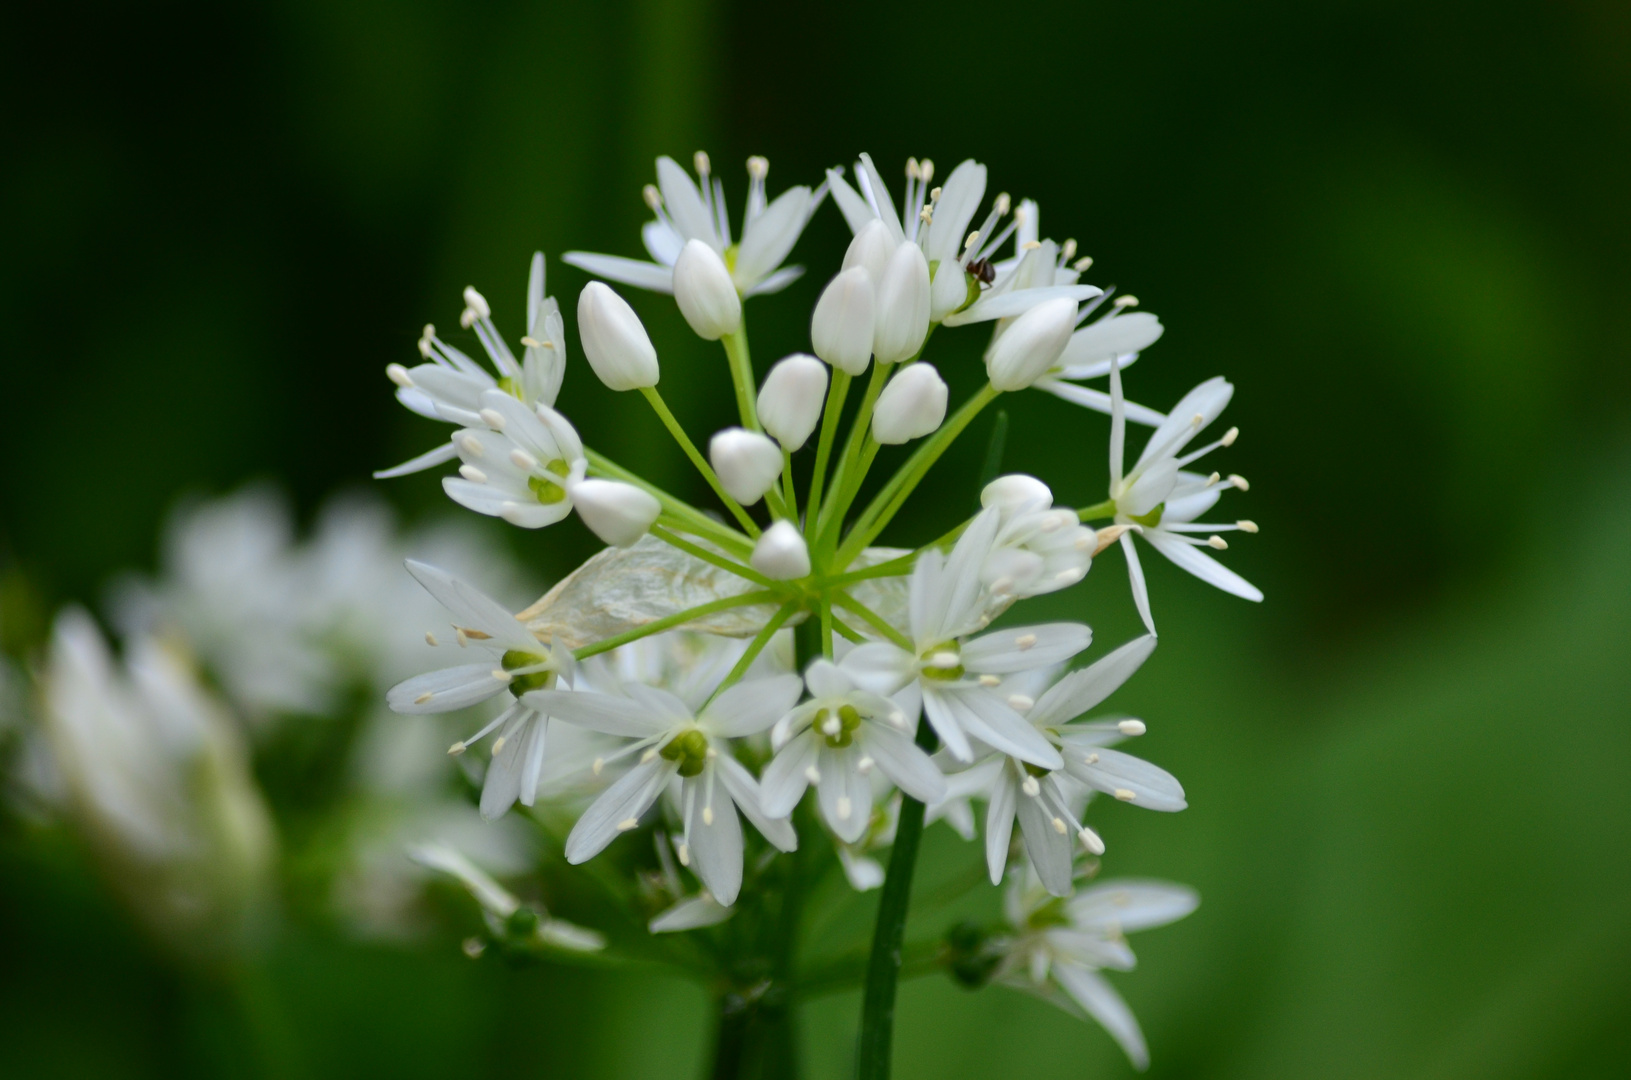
(848, 720)
(510, 386)
(532, 680)
(1151, 519)
(690, 749)
(1036, 770)
(547, 490)
(944, 674)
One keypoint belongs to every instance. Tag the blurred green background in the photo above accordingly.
(1400, 229)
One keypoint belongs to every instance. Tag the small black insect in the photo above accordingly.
(983, 271)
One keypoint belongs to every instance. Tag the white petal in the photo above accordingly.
(750, 707)
(827, 680)
(1098, 401)
(473, 609)
(605, 713)
(775, 283)
(1008, 305)
(1135, 577)
(1202, 565)
(946, 725)
(1080, 691)
(1114, 335)
(450, 689)
(684, 204)
(1003, 652)
(692, 913)
(1089, 990)
(507, 773)
(1205, 401)
(986, 717)
(843, 788)
(1127, 905)
(905, 763)
(745, 790)
(867, 173)
(1116, 773)
(662, 242)
(629, 798)
(879, 666)
(960, 197)
(1050, 850)
(959, 603)
(786, 778)
(428, 460)
(857, 214)
(772, 235)
(716, 846)
(642, 275)
(999, 825)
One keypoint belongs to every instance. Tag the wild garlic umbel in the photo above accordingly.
(768, 692)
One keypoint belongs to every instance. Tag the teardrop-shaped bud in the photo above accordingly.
(781, 553)
(902, 305)
(790, 400)
(870, 250)
(841, 330)
(1032, 345)
(949, 291)
(1016, 491)
(911, 406)
(747, 463)
(614, 339)
(705, 292)
(616, 512)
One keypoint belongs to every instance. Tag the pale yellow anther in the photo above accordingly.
(1059, 826)
(648, 756)
(1021, 702)
(1246, 526)
(1126, 301)
(399, 375)
(758, 167)
(456, 749)
(532, 343)
(864, 766)
(1002, 204)
(498, 744)
(812, 774)
(424, 698)
(463, 638)
(1239, 481)
(1068, 251)
(1025, 641)
(934, 195)
(1083, 263)
(944, 659)
(912, 171)
(522, 460)
(707, 815)
(492, 418)
(501, 676)
(1214, 478)
(700, 160)
(1030, 245)
(1031, 787)
(844, 807)
(683, 850)
(630, 823)
(598, 764)
(1229, 437)
(1090, 840)
(1131, 727)
(652, 196)
(1091, 759)
(1217, 543)
(430, 639)
(926, 170)
(973, 238)
(990, 680)
(471, 445)
(472, 474)
(1125, 795)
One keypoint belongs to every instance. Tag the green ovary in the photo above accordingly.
(848, 720)
(690, 749)
(1151, 519)
(532, 680)
(943, 673)
(547, 490)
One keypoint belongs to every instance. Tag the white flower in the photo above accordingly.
(841, 328)
(685, 213)
(1160, 501)
(1038, 549)
(834, 741)
(956, 678)
(1044, 800)
(747, 462)
(705, 293)
(618, 513)
(1059, 946)
(499, 906)
(1031, 345)
(1119, 336)
(781, 553)
(515, 662)
(686, 912)
(912, 405)
(615, 340)
(791, 398)
(450, 384)
(154, 770)
(520, 464)
(1039, 271)
(690, 750)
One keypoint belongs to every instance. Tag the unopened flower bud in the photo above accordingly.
(902, 305)
(841, 330)
(747, 463)
(1016, 490)
(790, 400)
(781, 553)
(614, 339)
(616, 512)
(870, 250)
(911, 406)
(705, 292)
(1032, 345)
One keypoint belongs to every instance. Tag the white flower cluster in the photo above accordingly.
(902, 690)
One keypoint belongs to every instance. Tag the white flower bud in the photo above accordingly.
(841, 330)
(870, 250)
(1032, 345)
(791, 399)
(1014, 491)
(911, 406)
(949, 290)
(780, 553)
(902, 305)
(614, 340)
(747, 463)
(616, 512)
(705, 292)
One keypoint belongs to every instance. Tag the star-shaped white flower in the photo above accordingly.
(834, 741)
(449, 385)
(957, 678)
(1060, 946)
(1159, 500)
(690, 750)
(514, 662)
(684, 211)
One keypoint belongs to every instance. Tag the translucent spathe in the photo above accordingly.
(614, 340)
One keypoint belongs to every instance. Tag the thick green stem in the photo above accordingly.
(758, 596)
(1105, 509)
(884, 965)
(661, 408)
(741, 364)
